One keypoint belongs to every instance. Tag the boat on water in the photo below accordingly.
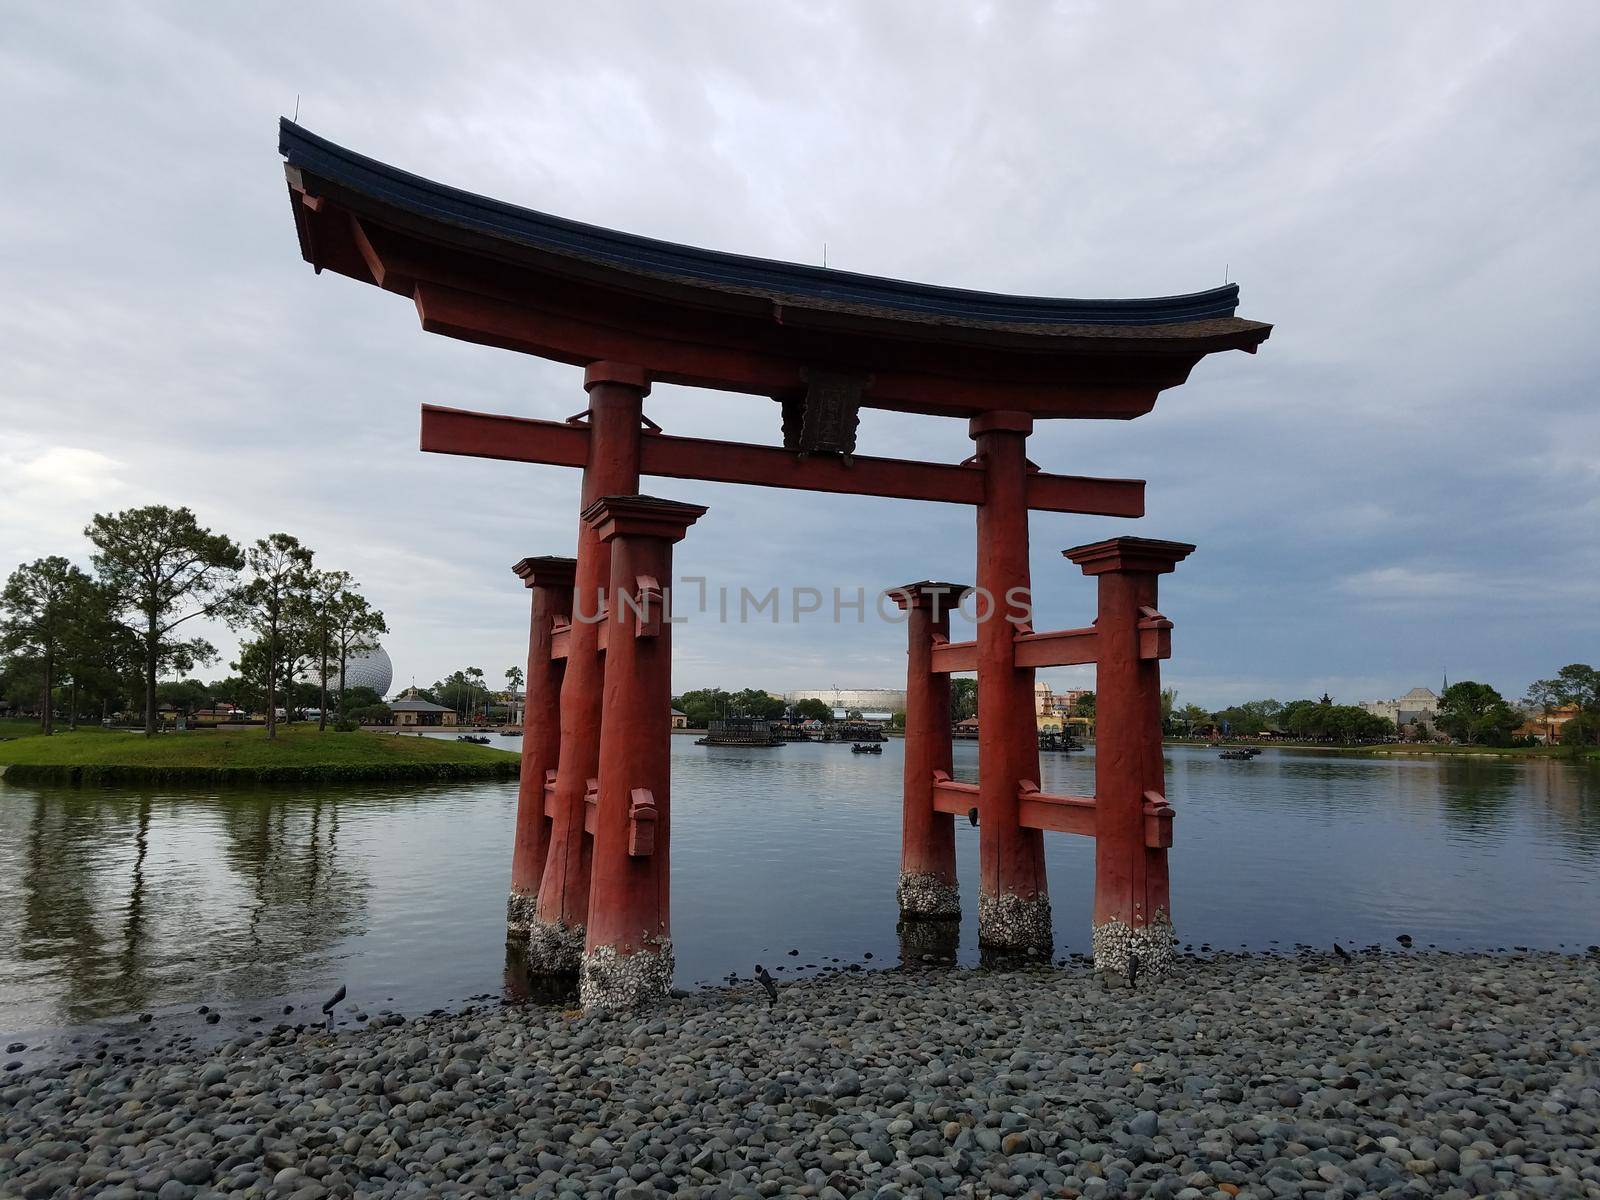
(475, 739)
(873, 748)
(511, 733)
(1238, 755)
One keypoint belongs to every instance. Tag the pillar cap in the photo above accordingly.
(1130, 555)
(546, 570)
(625, 374)
(927, 593)
(1001, 421)
(641, 516)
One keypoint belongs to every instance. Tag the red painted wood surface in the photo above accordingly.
(1011, 857)
(629, 901)
(1050, 813)
(554, 443)
(1062, 648)
(928, 837)
(954, 656)
(951, 796)
(549, 581)
(616, 397)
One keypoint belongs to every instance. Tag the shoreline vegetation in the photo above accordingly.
(1242, 1077)
(234, 757)
(1400, 749)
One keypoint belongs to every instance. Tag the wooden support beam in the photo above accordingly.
(1062, 648)
(561, 638)
(952, 797)
(1055, 814)
(522, 439)
(1042, 810)
(955, 656)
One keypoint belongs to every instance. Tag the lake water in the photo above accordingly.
(114, 903)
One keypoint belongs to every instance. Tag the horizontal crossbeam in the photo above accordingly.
(954, 656)
(523, 439)
(561, 640)
(1061, 648)
(1052, 813)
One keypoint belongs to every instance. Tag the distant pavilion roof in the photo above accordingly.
(492, 272)
(417, 706)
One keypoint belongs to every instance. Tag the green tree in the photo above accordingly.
(1581, 730)
(165, 570)
(475, 684)
(280, 570)
(1083, 706)
(36, 608)
(812, 709)
(354, 626)
(704, 705)
(1575, 683)
(753, 702)
(963, 697)
(1544, 697)
(1475, 713)
(514, 682)
(322, 593)
(98, 654)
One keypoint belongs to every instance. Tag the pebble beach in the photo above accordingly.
(1237, 1076)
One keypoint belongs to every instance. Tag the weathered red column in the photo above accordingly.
(555, 938)
(1013, 900)
(928, 838)
(549, 579)
(627, 959)
(1132, 904)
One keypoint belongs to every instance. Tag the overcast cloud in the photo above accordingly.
(1405, 481)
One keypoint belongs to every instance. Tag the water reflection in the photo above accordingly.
(112, 903)
(925, 943)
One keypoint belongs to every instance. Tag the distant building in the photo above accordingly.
(1417, 704)
(1547, 726)
(886, 700)
(421, 712)
(680, 720)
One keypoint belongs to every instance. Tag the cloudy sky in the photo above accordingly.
(1404, 482)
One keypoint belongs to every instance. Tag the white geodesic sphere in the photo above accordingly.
(369, 669)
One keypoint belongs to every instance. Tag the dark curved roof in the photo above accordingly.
(736, 273)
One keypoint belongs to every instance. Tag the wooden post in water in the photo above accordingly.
(1013, 899)
(1133, 822)
(627, 958)
(549, 579)
(928, 838)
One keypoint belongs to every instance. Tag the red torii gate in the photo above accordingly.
(590, 870)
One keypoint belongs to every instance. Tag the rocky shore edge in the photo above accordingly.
(1237, 1076)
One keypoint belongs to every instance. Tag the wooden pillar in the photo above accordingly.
(555, 938)
(928, 838)
(1132, 906)
(627, 959)
(1013, 900)
(549, 579)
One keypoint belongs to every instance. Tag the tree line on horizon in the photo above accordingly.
(1469, 712)
(110, 634)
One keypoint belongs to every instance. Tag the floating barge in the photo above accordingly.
(741, 731)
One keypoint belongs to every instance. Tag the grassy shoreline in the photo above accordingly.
(299, 755)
